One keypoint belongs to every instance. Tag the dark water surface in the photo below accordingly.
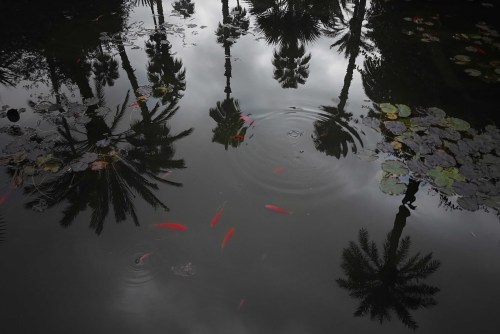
(372, 126)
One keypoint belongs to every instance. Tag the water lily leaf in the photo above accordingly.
(395, 126)
(468, 203)
(397, 145)
(457, 123)
(392, 116)
(52, 166)
(493, 202)
(473, 72)
(388, 108)
(403, 110)
(395, 167)
(465, 188)
(91, 101)
(392, 186)
(98, 165)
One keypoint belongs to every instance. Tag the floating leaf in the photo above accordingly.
(392, 186)
(98, 165)
(468, 203)
(395, 167)
(403, 110)
(395, 126)
(473, 72)
(388, 108)
(392, 116)
(457, 123)
(91, 101)
(397, 145)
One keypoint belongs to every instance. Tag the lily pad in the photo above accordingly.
(403, 110)
(473, 72)
(457, 123)
(395, 126)
(388, 108)
(468, 203)
(395, 167)
(392, 186)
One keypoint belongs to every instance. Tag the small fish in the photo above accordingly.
(135, 104)
(246, 119)
(239, 137)
(143, 257)
(3, 198)
(279, 170)
(217, 217)
(97, 18)
(228, 236)
(481, 51)
(277, 209)
(240, 304)
(171, 226)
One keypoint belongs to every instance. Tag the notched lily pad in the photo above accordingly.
(468, 203)
(392, 186)
(457, 123)
(395, 167)
(403, 110)
(395, 126)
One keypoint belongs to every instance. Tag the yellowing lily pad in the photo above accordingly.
(392, 115)
(388, 108)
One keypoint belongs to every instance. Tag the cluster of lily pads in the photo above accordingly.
(31, 151)
(421, 28)
(136, 30)
(481, 53)
(445, 152)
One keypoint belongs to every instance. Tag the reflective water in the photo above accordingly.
(298, 166)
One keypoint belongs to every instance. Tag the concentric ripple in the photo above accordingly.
(283, 151)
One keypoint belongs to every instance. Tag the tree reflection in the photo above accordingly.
(8, 76)
(333, 132)
(391, 282)
(184, 7)
(230, 129)
(107, 168)
(289, 24)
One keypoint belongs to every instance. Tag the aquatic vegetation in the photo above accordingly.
(443, 151)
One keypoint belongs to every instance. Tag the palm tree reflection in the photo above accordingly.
(184, 7)
(333, 133)
(391, 282)
(108, 168)
(289, 24)
(230, 129)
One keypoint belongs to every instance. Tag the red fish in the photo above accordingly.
(239, 137)
(279, 170)
(277, 209)
(228, 236)
(143, 257)
(216, 217)
(481, 51)
(4, 198)
(171, 226)
(241, 303)
(246, 119)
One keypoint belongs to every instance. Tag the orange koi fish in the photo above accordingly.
(217, 217)
(241, 303)
(3, 198)
(246, 119)
(481, 51)
(228, 236)
(277, 209)
(171, 226)
(279, 170)
(239, 137)
(143, 257)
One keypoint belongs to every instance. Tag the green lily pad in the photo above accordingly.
(457, 123)
(392, 186)
(403, 110)
(395, 167)
(388, 108)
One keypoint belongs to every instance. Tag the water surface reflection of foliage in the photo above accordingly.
(93, 164)
(443, 151)
(390, 281)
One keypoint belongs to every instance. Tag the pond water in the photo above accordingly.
(251, 166)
